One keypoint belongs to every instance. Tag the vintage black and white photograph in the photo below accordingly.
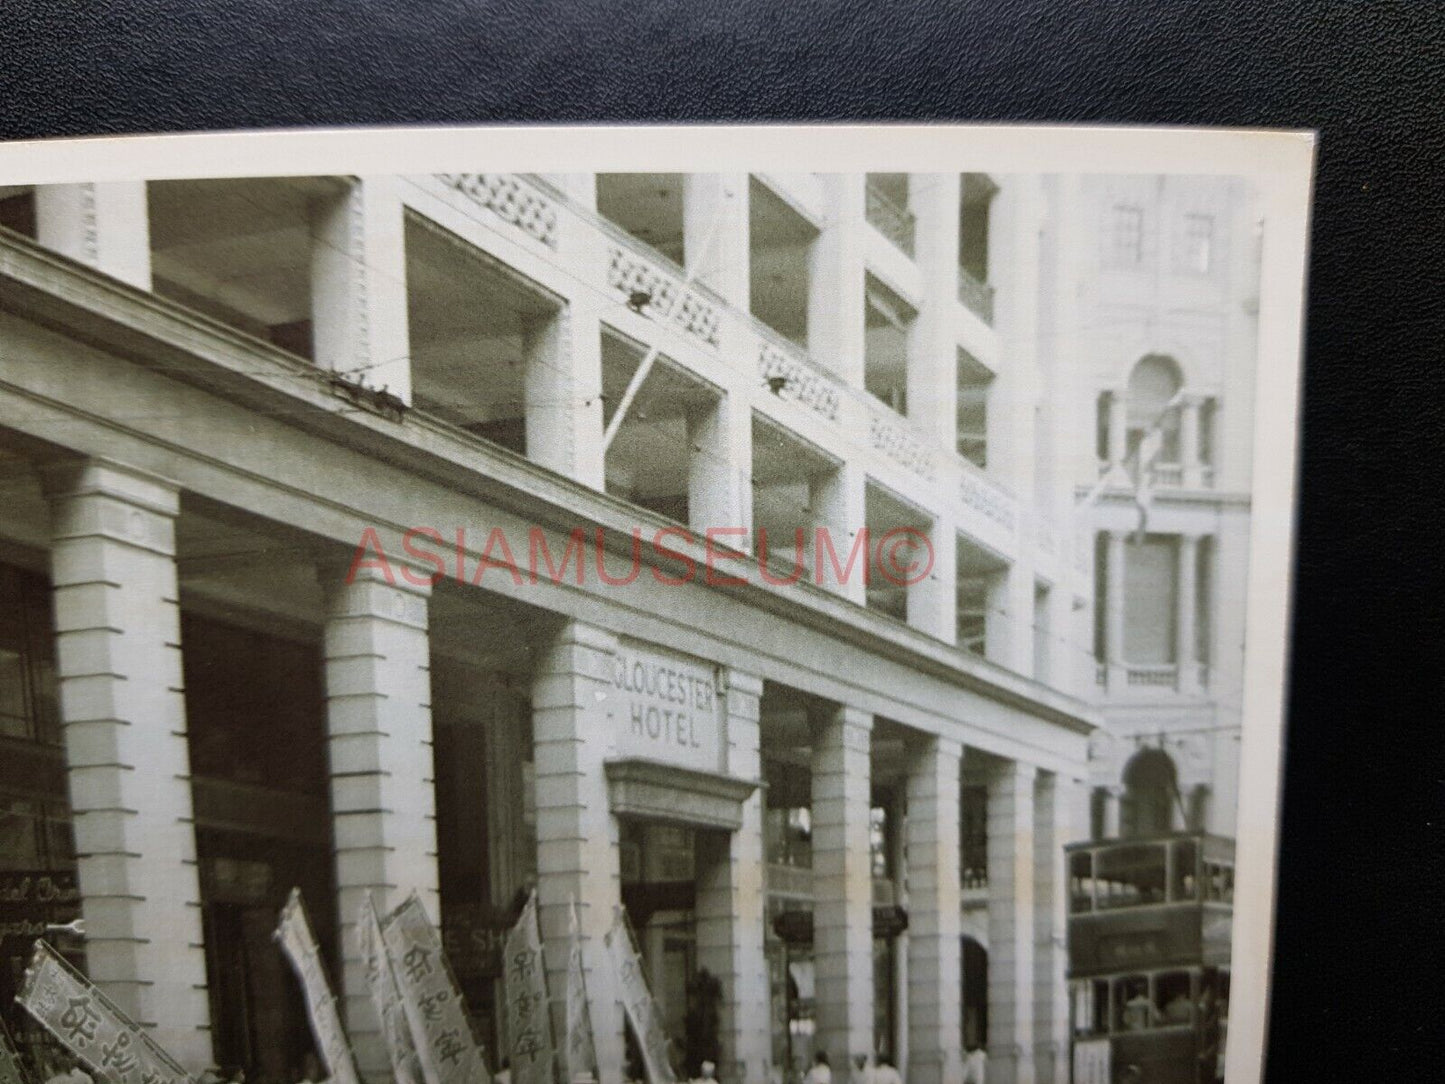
(739, 605)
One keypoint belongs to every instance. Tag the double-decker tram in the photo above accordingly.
(1149, 938)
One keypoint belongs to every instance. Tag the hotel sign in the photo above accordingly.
(665, 707)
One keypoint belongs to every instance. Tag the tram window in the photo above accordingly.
(1186, 870)
(1081, 882)
(1133, 1009)
(1220, 882)
(1129, 876)
(1173, 999)
(1091, 1007)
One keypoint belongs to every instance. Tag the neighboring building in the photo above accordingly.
(845, 800)
(1163, 291)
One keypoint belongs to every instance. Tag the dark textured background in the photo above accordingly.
(1358, 980)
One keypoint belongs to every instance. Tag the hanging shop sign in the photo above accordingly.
(666, 707)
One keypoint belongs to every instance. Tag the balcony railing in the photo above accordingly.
(976, 296)
(892, 221)
(1157, 677)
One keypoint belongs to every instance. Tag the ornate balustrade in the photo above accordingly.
(1157, 677)
(511, 199)
(635, 276)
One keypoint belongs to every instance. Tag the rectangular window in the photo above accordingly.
(1196, 245)
(1128, 236)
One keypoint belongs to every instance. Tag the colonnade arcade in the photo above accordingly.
(220, 708)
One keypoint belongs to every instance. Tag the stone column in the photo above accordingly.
(379, 737)
(840, 505)
(1009, 629)
(562, 399)
(1186, 647)
(935, 976)
(1111, 799)
(719, 489)
(1114, 610)
(577, 839)
(842, 887)
(1118, 424)
(932, 373)
(835, 279)
(1060, 818)
(731, 908)
(1011, 924)
(933, 592)
(716, 245)
(104, 225)
(122, 706)
(358, 285)
(1190, 462)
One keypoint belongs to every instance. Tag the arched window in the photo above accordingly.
(1151, 790)
(1155, 381)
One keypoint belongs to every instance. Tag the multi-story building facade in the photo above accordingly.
(295, 470)
(1161, 326)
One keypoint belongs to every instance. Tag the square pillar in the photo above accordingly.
(839, 499)
(562, 396)
(1114, 609)
(379, 739)
(1186, 647)
(715, 223)
(933, 584)
(577, 837)
(935, 964)
(719, 486)
(1009, 622)
(835, 279)
(104, 225)
(935, 200)
(358, 285)
(122, 706)
(1060, 818)
(842, 888)
(1118, 425)
(1011, 924)
(731, 913)
(1191, 466)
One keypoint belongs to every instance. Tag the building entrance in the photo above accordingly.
(659, 892)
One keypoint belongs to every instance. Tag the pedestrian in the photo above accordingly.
(504, 1072)
(820, 1073)
(862, 1070)
(885, 1072)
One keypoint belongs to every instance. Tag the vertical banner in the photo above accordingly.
(11, 1071)
(581, 1058)
(107, 1042)
(386, 997)
(299, 946)
(637, 1001)
(429, 995)
(529, 1018)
